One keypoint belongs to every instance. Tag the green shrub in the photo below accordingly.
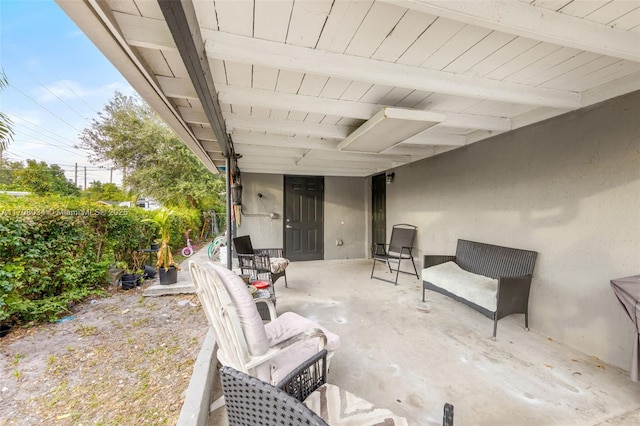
(55, 252)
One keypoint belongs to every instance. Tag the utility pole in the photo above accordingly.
(76, 175)
(111, 175)
(85, 177)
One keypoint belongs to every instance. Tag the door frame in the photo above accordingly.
(320, 239)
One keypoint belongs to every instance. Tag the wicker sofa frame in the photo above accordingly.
(513, 268)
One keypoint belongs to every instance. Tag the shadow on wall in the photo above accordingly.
(567, 188)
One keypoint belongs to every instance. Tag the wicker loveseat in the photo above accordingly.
(492, 279)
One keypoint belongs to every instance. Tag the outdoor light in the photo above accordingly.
(389, 177)
(388, 128)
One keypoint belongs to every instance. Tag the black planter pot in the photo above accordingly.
(5, 329)
(168, 277)
(149, 271)
(129, 281)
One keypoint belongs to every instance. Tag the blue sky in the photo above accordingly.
(58, 82)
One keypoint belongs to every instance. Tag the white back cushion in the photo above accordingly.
(250, 321)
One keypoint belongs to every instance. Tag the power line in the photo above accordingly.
(74, 92)
(47, 143)
(51, 91)
(45, 108)
(22, 122)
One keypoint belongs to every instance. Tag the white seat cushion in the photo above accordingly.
(338, 407)
(250, 321)
(278, 264)
(481, 290)
(282, 328)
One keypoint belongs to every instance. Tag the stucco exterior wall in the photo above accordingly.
(568, 188)
(256, 219)
(344, 217)
(345, 214)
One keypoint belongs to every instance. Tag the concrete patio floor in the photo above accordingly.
(413, 362)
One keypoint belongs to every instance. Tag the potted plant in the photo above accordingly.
(167, 268)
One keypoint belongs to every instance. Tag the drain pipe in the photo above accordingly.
(229, 236)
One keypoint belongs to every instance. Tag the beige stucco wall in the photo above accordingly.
(256, 220)
(344, 213)
(568, 188)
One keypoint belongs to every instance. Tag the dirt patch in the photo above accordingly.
(123, 359)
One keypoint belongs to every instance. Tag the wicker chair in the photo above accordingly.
(267, 351)
(302, 398)
(399, 248)
(260, 262)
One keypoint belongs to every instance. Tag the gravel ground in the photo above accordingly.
(118, 360)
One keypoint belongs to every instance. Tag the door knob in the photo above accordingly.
(289, 226)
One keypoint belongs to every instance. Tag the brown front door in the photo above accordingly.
(303, 217)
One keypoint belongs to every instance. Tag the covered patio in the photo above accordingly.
(511, 123)
(413, 362)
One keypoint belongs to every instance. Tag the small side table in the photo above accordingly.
(627, 290)
(262, 308)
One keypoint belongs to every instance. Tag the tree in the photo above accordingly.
(104, 192)
(6, 130)
(43, 179)
(123, 135)
(129, 134)
(8, 172)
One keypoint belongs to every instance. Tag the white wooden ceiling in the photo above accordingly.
(296, 77)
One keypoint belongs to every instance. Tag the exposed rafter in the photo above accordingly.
(243, 137)
(249, 50)
(284, 127)
(535, 22)
(288, 101)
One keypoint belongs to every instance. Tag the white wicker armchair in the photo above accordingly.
(266, 351)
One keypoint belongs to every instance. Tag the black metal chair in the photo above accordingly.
(252, 402)
(399, 248)
(260, 262)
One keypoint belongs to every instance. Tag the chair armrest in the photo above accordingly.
(376, 251)
(433, 260)
(513, 295)
(275, 350)
(307, 377)
(270, 307)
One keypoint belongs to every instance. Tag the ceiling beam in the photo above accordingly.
(243, 137)
(258, 166)
(287, 101)
(538, 23)
(249, 50)
(145, 32)
(250, 142)
(181, 19)
(237, 121)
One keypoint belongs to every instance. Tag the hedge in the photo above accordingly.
(56, 251)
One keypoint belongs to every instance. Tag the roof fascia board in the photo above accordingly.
(183, 24)
(100, 26)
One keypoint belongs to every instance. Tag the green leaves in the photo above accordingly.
(55, 252)
(129, 135)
